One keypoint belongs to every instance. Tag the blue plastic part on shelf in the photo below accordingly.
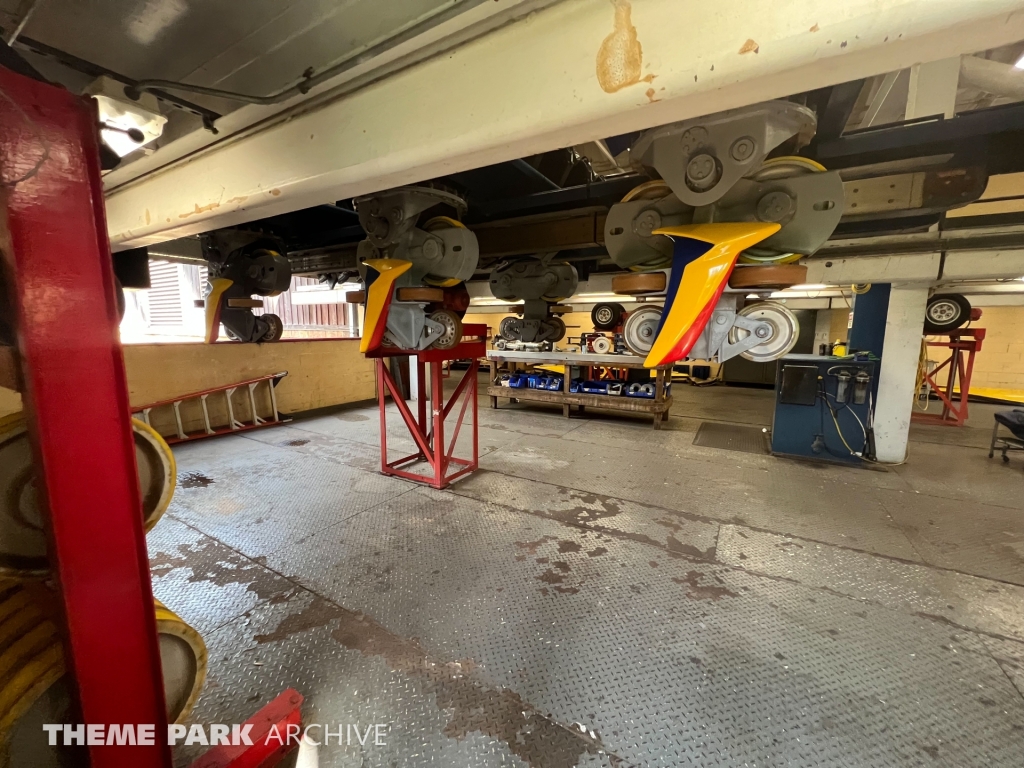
(602, 387)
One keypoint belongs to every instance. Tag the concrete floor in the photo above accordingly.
(601, 594)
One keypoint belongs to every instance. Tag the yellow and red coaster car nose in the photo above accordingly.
(381, 275)
(703, 256)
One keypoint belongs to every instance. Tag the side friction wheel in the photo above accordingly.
(641, 329)
(452, 329)
(276, 330)
(783, 331)
(606, 317)
(601, 345)
(946, 312)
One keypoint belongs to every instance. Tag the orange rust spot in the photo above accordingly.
(648, 79)
(199, 209)
(620, 57)
(238, 199)
(147, 215)
(750, 47)
(275, 192)
(650, 95)
(815, 28)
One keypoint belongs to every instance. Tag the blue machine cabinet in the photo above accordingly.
(822, 408)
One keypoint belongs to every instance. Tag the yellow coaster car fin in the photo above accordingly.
(703, 256)
(381, 275)
(214, 304)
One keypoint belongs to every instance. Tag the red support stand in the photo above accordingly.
(266, 749)
(429, 435)
(954, 403)
(60, 290)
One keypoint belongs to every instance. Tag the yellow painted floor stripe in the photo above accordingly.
(994, 393)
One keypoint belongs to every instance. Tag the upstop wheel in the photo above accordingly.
(452, 334)
(784, 329)
(641, 329)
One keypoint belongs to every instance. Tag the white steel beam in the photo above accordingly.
(573, 72)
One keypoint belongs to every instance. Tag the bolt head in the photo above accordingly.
(743, 149)
(432, 249)
(702, 172)
(647, 222)
(775, 206)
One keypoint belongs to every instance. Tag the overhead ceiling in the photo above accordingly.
(254, 47)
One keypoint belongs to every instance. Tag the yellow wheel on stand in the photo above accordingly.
(22, 534)
(33, 686)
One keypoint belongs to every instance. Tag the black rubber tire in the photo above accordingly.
(559, 325)
(276, 330)
(607, 316)
(952, 310)
(452, 321)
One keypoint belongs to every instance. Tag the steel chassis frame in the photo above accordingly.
(429, 435)
(954, 405)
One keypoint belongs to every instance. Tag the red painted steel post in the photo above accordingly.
(382, 386)
(421, 392)
(437, 403)
(476, 430)
(61, 290)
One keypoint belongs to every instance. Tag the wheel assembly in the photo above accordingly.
(946, 312)
(22, 533)
(781, 329)
(559, 329)
(36, 689)
(601, 345)
(607, 317)
(770, 208)
(275, 330)
(510, 327)
(640, 329)
(452, 334)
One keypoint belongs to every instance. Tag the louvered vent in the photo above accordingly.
(164, 294)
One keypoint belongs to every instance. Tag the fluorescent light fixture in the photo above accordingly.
(753, 296)
(1020, 63)
(808, 287)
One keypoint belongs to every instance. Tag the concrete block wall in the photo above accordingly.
(1000, 364)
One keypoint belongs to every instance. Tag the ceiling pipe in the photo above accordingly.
(25, 10)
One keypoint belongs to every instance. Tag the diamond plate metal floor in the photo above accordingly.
(604, 595)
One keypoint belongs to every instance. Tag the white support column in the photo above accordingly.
(898, 376)
(933, 88)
